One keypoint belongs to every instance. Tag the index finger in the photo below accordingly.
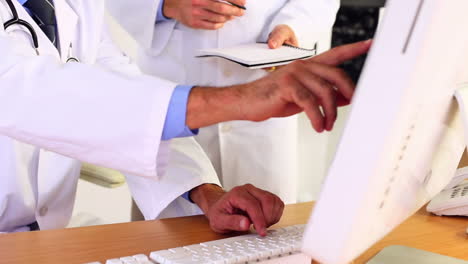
(271, 204)
(340, 54)
(335, 76)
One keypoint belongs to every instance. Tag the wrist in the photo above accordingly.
(169, 9)
(206, 195)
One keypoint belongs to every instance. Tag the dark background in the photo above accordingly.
(356, 21)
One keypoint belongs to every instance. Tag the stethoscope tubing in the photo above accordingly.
(16, 20)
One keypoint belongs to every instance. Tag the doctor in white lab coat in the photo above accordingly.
(265, 153)
(40, 185)
(104, 111)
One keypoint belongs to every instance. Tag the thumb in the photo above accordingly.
(277, 38)
(223, 223)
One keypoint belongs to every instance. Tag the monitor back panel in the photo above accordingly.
(403, 140)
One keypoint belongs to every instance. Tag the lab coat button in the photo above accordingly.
(226, 128)
(227, 73)
(43, 211)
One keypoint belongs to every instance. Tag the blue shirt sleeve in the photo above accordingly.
(160, 17)
(174, 125)
(186, 196)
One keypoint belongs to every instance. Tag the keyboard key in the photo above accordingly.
(140, 257)
(127, 259)
(160, 256)
(114, 261)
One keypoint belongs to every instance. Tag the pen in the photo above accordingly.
(236, 5)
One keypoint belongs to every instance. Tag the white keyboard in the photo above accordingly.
(282, 243)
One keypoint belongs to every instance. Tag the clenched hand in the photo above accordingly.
(239, 208)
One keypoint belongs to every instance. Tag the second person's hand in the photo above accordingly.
(202, 14)
(282, 34)
(239, 208)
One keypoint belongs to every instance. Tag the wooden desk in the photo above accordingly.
(442, 235)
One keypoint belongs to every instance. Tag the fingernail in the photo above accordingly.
(244, 224)
(273, 44)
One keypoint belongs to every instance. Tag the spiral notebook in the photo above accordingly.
(259, 55)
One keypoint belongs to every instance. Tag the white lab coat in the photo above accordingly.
(266, 153)
(102, 110)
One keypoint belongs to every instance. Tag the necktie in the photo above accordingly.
(43, 13)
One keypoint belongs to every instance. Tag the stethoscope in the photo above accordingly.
(18, 21)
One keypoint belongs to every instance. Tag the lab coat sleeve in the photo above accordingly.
(147, 33)
(308, 18)
(112, 58)
(186, 166)
(81, 111)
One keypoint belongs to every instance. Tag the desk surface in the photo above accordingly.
(443, 235)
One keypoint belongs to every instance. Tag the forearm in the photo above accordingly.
(207, 105)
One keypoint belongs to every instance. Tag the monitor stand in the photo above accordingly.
(407, 255)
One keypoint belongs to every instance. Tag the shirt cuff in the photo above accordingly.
(174, 126)
(160, 17)
(186, 196)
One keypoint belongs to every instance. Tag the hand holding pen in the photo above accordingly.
(204, 14)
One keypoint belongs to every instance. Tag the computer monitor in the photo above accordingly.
(403, 138)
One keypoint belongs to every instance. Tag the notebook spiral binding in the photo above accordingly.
(314, 49)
